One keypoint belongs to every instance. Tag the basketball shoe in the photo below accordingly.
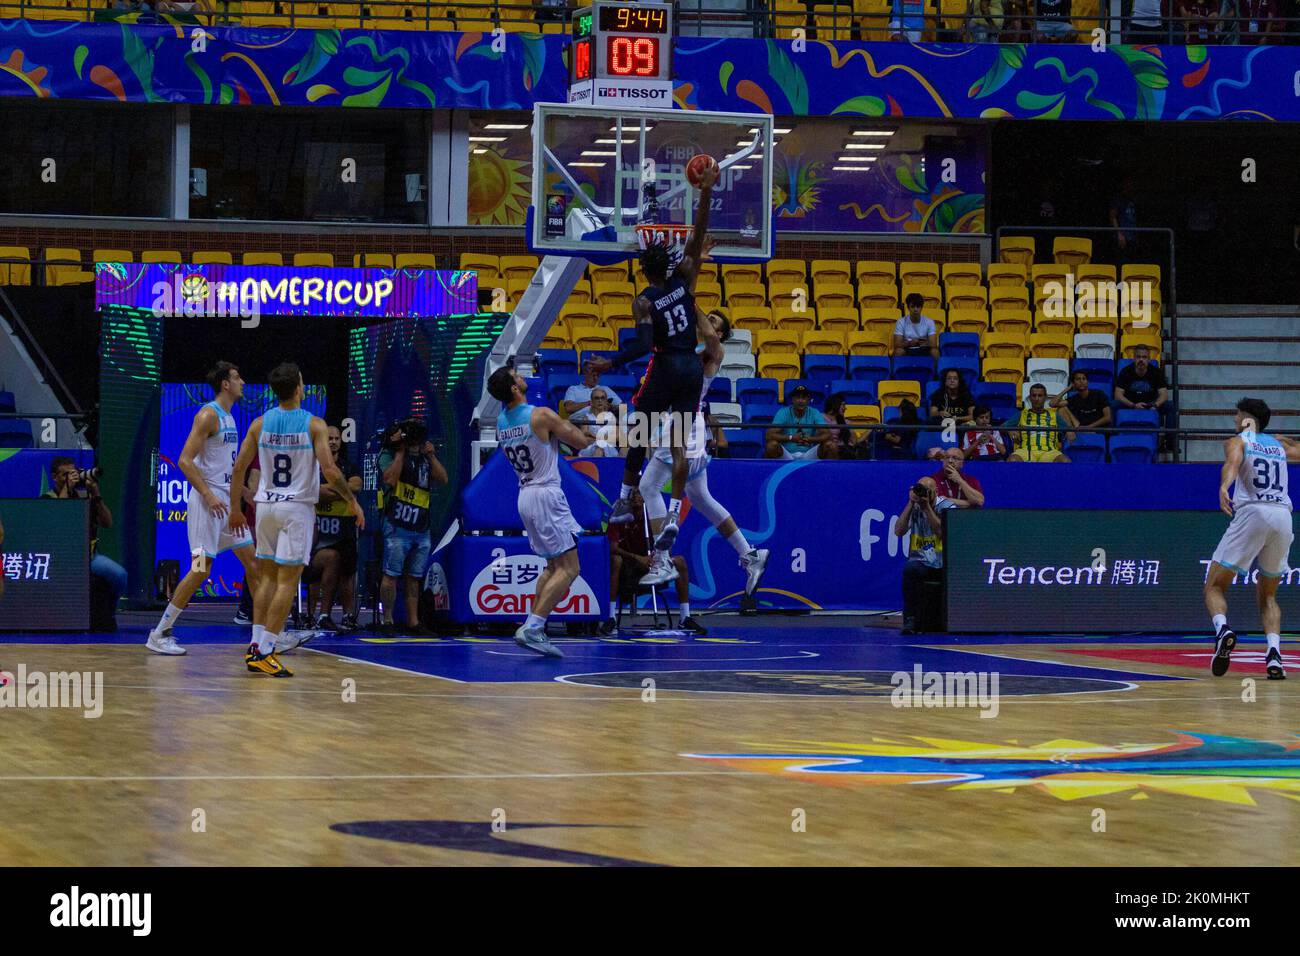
(1273, 664)
(661, 571)
(162, 642)
(1223, 645)
(754, 563)
(267, 664)
(535, 639)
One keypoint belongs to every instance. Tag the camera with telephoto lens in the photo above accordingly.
(409, 433)
(920, 490)
(88, 474)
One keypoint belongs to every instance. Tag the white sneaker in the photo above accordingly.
(162, 642)
(667, 536)
(754, 563)
(291, 639)
(661, 571)
(535, 639)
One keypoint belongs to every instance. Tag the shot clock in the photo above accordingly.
(621, 55)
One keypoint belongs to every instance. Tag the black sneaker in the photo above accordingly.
(607, 627)
(349, 623)
(694, 626)
(1223, 645)
(1273, 664)
(242, 618)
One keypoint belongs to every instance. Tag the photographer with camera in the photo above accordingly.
(921, 519)
(71, 482)
(409, 467)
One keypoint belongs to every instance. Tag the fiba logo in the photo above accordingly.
(194, 289)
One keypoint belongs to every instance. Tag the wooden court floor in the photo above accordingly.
(789, 759)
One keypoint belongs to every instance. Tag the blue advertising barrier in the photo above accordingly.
(829, 525)
(493, 578)
(25, 472)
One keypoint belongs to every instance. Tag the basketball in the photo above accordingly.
(696, 167)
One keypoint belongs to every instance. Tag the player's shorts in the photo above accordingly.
(673, 382)
(807, 453)
(1260, 533)
(1035, 454)
(208, 531)
(664, 456)
(406, 552)
(285, 530)
(551, 527)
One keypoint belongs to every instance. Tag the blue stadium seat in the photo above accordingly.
(15, 433)
(757, 390)
(557, 361)
(819, 390)
(622, 385)
(855, 393)
(746, 442)
(1087, 447)
(869, 368)
(933, 438)
(888, 414)
(762, 414)
(1137, 417)
(7, 402)
(1002, 412)
(1135, 448)
(636, 368)
(1101, 374)
(719, 390)
(959, 345)
(969, 368)
(823, 368)
(625, 338)
(918, 367)
(557, 385)
(537, 394)
(994, 393)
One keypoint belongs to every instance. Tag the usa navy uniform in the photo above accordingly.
(543, 508)
(672, 379)
(1260, 529)
(206, 530)
(289, 487)
(697, 440)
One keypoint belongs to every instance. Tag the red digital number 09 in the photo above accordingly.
(630, 56)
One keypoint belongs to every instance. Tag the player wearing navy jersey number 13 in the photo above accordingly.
(1259, 533)
(529, 438)
(666, 325)
(292, 449)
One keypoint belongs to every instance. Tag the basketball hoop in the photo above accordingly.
(669, 235)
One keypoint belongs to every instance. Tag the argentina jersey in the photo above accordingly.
(216, 456)
(1262, 478)
(287, 458)
(535, 462)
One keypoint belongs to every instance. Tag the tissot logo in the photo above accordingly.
(635, 93)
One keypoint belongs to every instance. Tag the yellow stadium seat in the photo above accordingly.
(788, 295)
(823, 342)
(515, 288)
(875, 272)
(1050, 272)
(1098, 324)
(1138, 271)
(1137, 321)
(968, 320)
(1072, 250)
(372, 260)
(63, 267)
(756, 318)
(779, 365)
(740, 293)
(518, 266)
(518, 26)
(884, 319)
(617, 315)
(1149, 338)
(111, 255)
(610, 273)
(415, 260)
(574, 312)
(789, 271)
(215, 257)
(1094, 272)
(918, 273)
(940, 319)
(890, 392)
(967, 296)
(1017, 321)
(932, 294)
(832, 22)
(1004, 368)
(607, 293)
(321, 259)
(835, 295)
(794, 320)
(167, 256)
(962, 273)
(480, 262)
(838, 319)
(873, 18)
(878, 296)
(1052, 296)
(15, 265)
(862, 415)
(1008, 273)
(581, 289)
(708, 271)
(870, 341)
(745, 273)
(832, 271)
(1002, 344)
(1063, 325)
(592, 337)
(771, 341)
(556, 337)
(1051, 345)
(1019, 249)
(1008, 297)
(708, 294)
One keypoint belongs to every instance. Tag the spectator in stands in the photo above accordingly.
(1142, 385)
(1145, 23)
(952, 399)
(846, 445)
(1053, 21)
(1085, 409)
(914, 333)
(964, 491)
(70, 482)
(629, 561)
(577, 399)
(1015, 28)
(900, 444)
(799, 431)
(1124, 217)
(1039, 445)
(1200, 21)
(920, 519)
(984, 441)
(1259, 22)
(987, 22)
(599, 421)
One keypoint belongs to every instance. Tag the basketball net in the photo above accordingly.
(670, 235)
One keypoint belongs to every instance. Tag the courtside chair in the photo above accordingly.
(161, 256)
(15, 265)
(1072, 250)
(317, 259)
(1018, 249)
(962, 273)
(838, 319)
(831, 271)
(875, 272)
(415, 260)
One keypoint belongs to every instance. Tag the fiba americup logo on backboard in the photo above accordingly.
(506, 587)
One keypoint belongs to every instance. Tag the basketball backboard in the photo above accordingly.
(598, 171)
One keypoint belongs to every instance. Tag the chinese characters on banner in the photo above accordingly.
(1135, 572)
(21, 566)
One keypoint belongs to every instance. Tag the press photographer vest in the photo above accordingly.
(335, 522)
(407, 505)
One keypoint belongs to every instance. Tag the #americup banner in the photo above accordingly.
(219, 290)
